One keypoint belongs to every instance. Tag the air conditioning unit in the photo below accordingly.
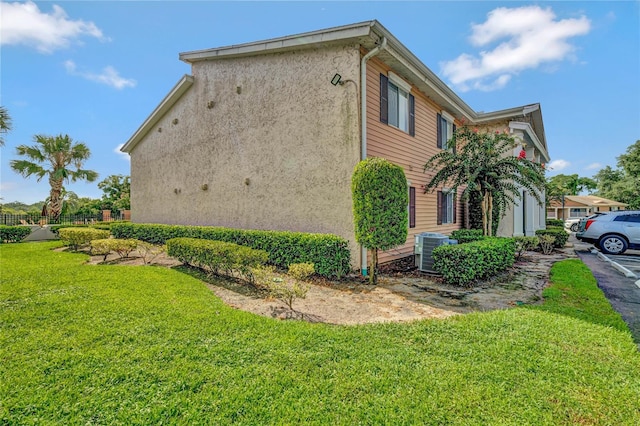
(424, 245)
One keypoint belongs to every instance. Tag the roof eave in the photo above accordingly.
(165, 105)
(526, 127)
(344, 34)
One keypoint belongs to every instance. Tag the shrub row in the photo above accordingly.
(555, 222)
(467, 235)
(464, 263)
(13, 234)
(107, 245)
(561, 236)
(76, 237)
(217, 256)
(329, 253)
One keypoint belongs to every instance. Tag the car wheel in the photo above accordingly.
(613, 244)
(574, 227)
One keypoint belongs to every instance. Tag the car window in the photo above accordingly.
(621, 218)
(633, 218)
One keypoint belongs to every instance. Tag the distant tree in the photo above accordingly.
(5, 123)
(58, 158)
(380, 198)
(630, 162)
(482, 163)
(606, 179)
(622, 184)
(560, 185)
(116, 190)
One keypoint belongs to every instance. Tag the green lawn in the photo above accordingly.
(83, 344)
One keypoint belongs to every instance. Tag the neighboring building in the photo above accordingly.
(572, 206)
(266, 135)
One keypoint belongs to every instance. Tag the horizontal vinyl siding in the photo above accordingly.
(411, 153)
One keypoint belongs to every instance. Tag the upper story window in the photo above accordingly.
(397, 104)
(446, 128)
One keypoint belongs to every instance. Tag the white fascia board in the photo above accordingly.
(526, 127)
(345, 33)
(424, 75)
(506, 113)
(165, 105)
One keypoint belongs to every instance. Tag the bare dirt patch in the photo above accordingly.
(402, 294)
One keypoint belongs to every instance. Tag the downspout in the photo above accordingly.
(363, 125)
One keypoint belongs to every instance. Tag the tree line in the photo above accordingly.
(620, 184)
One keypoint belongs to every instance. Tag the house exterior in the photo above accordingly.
(266, 135)
(572, 206)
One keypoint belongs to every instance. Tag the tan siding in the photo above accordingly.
(411, 153)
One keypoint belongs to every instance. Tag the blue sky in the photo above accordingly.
(96, 70)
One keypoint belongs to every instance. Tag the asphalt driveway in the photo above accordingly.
(621, 291)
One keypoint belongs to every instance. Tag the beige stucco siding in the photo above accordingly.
(274, 142)
(409, 152)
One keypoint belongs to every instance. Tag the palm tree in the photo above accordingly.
(5, 123)
(52, 157)
(484, 166)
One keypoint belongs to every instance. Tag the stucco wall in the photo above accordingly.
(269, 135)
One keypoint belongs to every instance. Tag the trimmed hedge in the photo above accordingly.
(467, 235)
(462, 264)
(13, 234)
(76, 237)
(217, 256)
(329, 253)
(558, 233)
(107, 245)
(555, 222)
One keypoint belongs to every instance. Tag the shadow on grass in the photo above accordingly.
(234, 284)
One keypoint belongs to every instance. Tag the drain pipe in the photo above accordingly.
(363, 125)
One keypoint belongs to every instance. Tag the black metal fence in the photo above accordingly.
(36, 219)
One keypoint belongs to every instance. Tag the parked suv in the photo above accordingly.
(614, 232)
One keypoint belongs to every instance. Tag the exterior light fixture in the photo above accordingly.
(336, 79)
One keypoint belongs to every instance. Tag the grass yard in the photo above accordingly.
(83, 344)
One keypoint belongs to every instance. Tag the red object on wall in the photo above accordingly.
(522, 155)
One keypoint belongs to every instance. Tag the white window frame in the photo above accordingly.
(449, 199)
(447, 128)
(398, 102)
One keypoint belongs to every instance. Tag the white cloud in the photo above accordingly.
(528, 36)
(24, 23)
(108, 76)
(594, 166)
(120, 153)
(557, 165)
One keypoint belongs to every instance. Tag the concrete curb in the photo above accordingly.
(626, 272)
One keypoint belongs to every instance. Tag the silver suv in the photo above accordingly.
(614, 232)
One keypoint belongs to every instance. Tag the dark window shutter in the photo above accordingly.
(384, 99)
(412, 207)
(454, 146)
(455, 204)
(412, 115)
(440, 203)
(439, 135)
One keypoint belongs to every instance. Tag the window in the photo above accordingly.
(397, 105)
(412, 207)
(445, 129)
(634, 218)
(578, 212)
(446, 207)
